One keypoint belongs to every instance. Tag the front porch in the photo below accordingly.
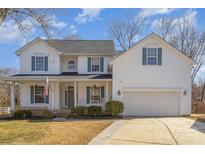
(63, 95)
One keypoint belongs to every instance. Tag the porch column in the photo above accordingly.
(75, 93)
(12, 99)
(106, 91)
(53, 96)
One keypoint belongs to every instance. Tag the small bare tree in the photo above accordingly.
(126, 32)
(5, 86)
(34, 16)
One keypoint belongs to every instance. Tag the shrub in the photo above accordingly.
(47, 113)
(22, 114)
(114, 107)
(78, 111)
(94, 110)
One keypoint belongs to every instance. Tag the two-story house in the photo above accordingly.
(152, 78)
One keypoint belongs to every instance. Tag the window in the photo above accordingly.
(39, 63)
(95, 97)
(152, 56)
(71, 65)
(95, 65)
(39, 94)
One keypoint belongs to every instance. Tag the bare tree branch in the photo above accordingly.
(184, 36)
(35, 16)
(126, 32)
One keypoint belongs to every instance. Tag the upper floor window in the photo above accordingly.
(95, 64)
(71, 65)
(152, 56)
(39, 63)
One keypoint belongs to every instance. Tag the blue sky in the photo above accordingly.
(88, 23)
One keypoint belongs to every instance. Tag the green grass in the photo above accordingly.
(50, 132)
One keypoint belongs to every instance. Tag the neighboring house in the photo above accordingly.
(152, 78)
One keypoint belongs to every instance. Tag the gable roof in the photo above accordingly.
(105, 47)
(167, 43)
(77, 47)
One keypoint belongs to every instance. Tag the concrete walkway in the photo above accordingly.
(166, 131)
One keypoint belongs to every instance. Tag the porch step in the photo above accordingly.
(61, 113)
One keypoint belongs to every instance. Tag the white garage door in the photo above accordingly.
(151, 103)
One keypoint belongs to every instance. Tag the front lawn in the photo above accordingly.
(50, 132)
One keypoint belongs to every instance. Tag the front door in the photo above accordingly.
(69, 96)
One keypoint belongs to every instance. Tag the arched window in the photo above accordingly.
(71, 66)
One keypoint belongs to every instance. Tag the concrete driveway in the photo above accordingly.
(176, 130)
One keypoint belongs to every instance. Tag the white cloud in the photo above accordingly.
(72, 29)
(151, 12)
(88, 15)
(57, 24)
(9, 32)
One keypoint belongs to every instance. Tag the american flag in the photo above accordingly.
(46, 88)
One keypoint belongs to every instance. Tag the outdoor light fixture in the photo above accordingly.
(185, 92)
(119, 92)
(94, 86)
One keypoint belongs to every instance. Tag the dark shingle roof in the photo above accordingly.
(105, 47)
(66, 75)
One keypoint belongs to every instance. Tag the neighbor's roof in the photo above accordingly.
(78, 47)
(84, 46)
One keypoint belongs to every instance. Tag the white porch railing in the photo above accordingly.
(4, 109)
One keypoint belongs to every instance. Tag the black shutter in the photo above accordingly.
(89, 64)
(144, 56)
(33, 62)
(46, 63)
(159, 56)
(101, 64)
(32, 94)
(102, 92)
(88, 94)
